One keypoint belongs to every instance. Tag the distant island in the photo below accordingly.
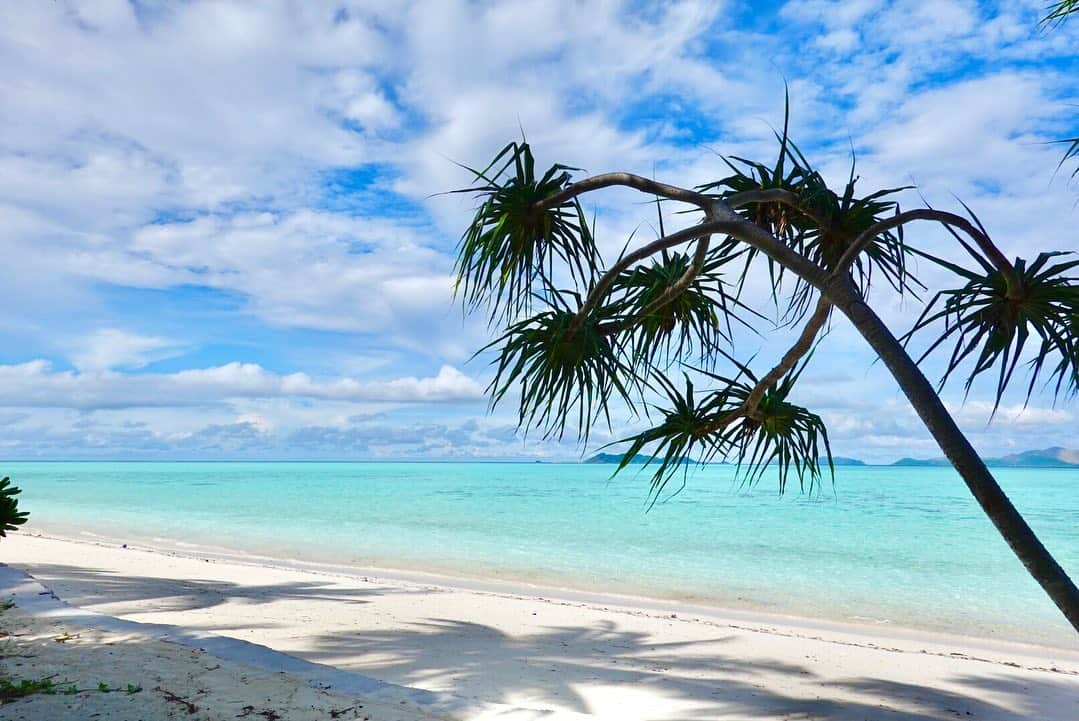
(843, 461)
(1055, 457)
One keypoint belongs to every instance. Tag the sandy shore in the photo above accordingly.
(610, 658)
(99, 674)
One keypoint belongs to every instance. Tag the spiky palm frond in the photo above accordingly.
(779, 219)
(1072, 153)
(846, 218)
(563, 368)
(1059, 11)
(10, 515)
(695, 320)
(994, 322)
(777, 432)
(510, 243)
(822, 225)
(691, 425)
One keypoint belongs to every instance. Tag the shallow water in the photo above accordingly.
(903, 546)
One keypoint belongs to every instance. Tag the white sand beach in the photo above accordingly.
(154, 680)
(546, 650)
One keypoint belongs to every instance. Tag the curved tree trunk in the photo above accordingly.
(1011, 525)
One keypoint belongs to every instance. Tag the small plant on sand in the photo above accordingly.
(770, 247)
(10, 515)
(11, 689)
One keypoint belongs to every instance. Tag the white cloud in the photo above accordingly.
(191, 147)
(36, 385)
(109, 348)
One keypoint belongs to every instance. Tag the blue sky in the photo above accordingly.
(223, 238)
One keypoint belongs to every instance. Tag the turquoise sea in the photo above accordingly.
(902, 546)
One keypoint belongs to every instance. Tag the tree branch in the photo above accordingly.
(791, 357)
(992, 252)
(682, 283)
(629, 180)
(741, 229)
(774, 195)
(727, 222)
(668, 241)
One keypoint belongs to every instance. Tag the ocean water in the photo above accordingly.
(898, 546)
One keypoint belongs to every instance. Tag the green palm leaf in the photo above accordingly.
(711, 425)
(992, 323)
(511, 243)
(10, 515)
(565, 370)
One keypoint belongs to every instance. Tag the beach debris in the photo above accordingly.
(173, 698)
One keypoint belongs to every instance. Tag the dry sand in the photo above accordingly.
(608, 658)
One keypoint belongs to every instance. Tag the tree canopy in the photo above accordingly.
(653, 328)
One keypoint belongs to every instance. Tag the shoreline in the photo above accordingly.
(538, 647)
(512, 584)
(765, 621)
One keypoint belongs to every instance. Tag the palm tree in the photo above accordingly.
(654, 329)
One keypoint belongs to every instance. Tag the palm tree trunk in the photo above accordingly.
(1011, 525)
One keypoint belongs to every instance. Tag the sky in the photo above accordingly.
(225, 234)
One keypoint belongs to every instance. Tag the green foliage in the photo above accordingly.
(619, 336)
(697, 319)
(561, 366)
(821, 225)
(510, 243)
(1059, 11)
(713, 427)
(11, 690)
(994, 322)
(10, 515)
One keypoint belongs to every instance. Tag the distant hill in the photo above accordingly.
(1055, 457)
(922, 462)
(843, 461)
(616, 458)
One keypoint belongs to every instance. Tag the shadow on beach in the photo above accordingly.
(552, 666)
(589, 668)
(91, 586)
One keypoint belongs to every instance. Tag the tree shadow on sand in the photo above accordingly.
(88, 587)
(591, 667)
(700, 680)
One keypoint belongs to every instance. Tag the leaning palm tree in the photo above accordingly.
(653, 330)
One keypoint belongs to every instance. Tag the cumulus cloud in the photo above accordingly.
(36, 385)
(284, 156)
